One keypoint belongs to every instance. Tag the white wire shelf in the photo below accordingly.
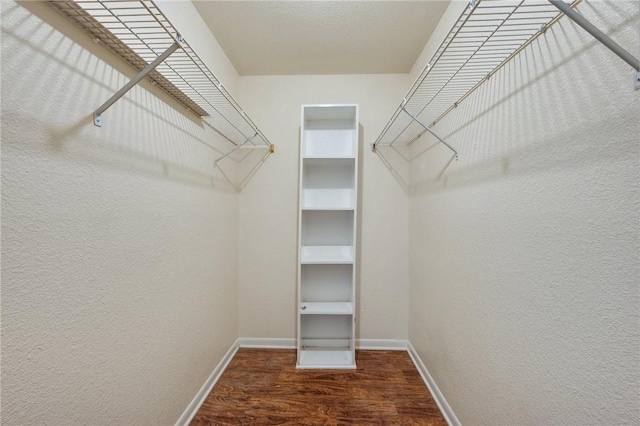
(138, 32)
(487, 35)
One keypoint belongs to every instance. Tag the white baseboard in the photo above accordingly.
(445, 409)
(381, 344)
(204, 391)
(267, 343)
(290, 343)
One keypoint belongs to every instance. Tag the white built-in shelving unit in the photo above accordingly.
(327, 236)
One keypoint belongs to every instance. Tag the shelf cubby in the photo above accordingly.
(326, 330)
(327, 227)
(328, 184)
(329, 132)
(326, 283)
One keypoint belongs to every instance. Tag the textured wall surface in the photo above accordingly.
(269, 206)
(119, 244)
(525, 252)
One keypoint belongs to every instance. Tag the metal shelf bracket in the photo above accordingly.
(414, 118)
(97, 114)
(215, 163)
(601, 37)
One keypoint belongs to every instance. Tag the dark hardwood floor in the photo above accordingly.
(263, 387)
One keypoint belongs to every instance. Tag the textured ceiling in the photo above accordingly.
(322, 37)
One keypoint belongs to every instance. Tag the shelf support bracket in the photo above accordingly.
(97, 114)
(215, 163)
(430, 131)
(600, 36)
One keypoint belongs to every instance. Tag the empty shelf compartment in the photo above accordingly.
(329, 131)
(326, 255)
(328, 199)
(327, 227)
(326, 283)
(328, 184)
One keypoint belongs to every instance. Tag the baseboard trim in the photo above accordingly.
(267, 343)
(290, 343)
(444, 406)
(381, 344)
(193, 407)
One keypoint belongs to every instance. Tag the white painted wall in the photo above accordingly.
(450, 16)
(268, 207)
(119, 244)
(524, 253)
(184, 16)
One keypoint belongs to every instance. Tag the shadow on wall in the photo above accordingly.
(247, 164)
(398, 158)
(60, 76)
(491, 129)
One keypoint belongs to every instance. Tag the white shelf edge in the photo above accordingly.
(326, 308)
(326, 366)
(326, 255)
(329, 208)
(326, 262)
(323, 358)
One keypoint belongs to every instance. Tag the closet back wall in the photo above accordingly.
(268, 208)
(119, 244)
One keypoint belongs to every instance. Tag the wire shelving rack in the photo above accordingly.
(487, 35)
(138, 32)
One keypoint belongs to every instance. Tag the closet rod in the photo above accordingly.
(602, 37)
(97, 115)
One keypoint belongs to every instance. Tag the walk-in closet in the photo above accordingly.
(320, 212)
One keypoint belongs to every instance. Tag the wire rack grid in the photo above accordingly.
(486, 36)
(138, 32)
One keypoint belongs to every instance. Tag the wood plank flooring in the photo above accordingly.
(263, 387)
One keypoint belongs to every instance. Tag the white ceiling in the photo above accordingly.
(322, 37)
